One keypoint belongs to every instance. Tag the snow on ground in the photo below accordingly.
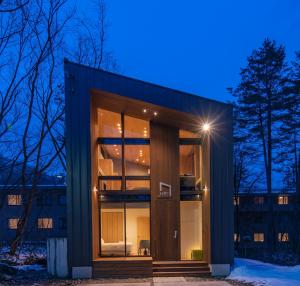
(25, 255)
(266, 274)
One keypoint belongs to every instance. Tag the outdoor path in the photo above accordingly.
(161, 281)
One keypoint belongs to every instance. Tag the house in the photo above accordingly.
(251, 231)
(47, 218)
(149, 178)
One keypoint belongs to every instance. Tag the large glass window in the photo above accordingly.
(112, 229)
(190, 179)
(109, 124)
(191, 230)
(125, 229)
(123, 163)
(136, 128)
(137, 160)
(138, 228)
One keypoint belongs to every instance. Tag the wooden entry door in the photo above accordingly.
(165, 192)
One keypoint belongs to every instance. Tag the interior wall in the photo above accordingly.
(190, 227)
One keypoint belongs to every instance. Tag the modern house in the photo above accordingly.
(149, 178)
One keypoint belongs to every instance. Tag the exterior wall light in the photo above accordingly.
(206, 127)
(155, 113)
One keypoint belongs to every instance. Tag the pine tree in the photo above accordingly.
(260, 95)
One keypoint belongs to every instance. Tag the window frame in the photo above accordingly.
(124, 204)
(122, 141)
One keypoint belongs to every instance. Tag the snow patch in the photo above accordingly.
(264, 274)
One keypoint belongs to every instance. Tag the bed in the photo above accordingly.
(115, 248)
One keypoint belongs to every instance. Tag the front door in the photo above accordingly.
(165, 192)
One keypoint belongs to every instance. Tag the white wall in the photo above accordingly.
(191, 227)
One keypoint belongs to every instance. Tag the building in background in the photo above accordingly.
(251, 223)
(47, 218)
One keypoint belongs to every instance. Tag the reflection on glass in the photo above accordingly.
(190, 167)
(137, 160)
(110, 160)
(191, 230)
(112, 230)
(109, 124)
(137, 185)
(138, 229)
(136, 128)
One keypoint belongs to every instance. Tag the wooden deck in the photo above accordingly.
(122, 267)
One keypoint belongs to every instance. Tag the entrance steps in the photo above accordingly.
(180, 268)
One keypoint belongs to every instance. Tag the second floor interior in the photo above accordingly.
(124, 155)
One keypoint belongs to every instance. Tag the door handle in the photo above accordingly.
(175, 234)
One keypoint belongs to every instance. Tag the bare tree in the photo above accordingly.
(42, 110)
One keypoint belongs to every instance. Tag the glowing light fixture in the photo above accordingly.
(155, 113)
(145, 110)
(206, 127)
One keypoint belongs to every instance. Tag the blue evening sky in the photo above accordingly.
(196, 46)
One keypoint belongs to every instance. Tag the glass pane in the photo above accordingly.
(112, 229)
(138, 185)
(137, 160)
(138, 229)
(191, 230)
(110, 185)
(190, 167)
(187, 134)
(109, 124)
(110, 160)
(136, 128)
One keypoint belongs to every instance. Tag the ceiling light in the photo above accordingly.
(118, 153)
(137, 159)
(155, 113)
(143, 161)
(145, 110)
(118, 124)
(206, 127)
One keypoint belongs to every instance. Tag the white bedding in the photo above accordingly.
(115, 248)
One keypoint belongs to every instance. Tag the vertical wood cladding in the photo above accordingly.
(165, 216)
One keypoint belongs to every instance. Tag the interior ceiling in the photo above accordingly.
(135, 108)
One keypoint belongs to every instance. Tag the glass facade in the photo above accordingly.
(191, 230)
(125, 229)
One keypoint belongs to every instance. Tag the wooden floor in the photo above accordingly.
(130, 267)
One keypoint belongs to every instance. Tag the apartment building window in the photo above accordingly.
(45, 223)
(13, 223)
(259, 200)
(14, 200)
(283, 237)
(283, 200)
(236, 201)
(236, 237)
(259, 237)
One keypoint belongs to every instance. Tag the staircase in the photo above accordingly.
(180, 268)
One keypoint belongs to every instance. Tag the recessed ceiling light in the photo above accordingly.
(118, 124)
